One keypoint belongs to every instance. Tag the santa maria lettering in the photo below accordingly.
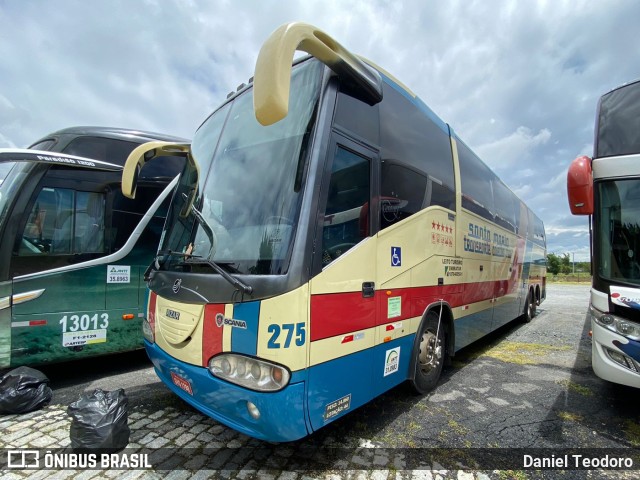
(478, 240)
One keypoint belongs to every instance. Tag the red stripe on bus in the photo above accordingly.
(35, 323)
(152, 312)
(337, 313)
(342, 313)
(212, 333)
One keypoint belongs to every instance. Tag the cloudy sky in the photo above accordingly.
(518, 80)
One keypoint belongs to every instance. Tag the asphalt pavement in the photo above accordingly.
(524, 394)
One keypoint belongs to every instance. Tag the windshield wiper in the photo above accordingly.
(240, 285)
(205, 226)
(164, 255)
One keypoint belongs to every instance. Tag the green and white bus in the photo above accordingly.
(73, 249)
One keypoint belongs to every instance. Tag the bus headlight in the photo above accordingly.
(249, 372)
(618, 325)
(147, 331)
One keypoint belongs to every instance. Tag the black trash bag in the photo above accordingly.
(99, 421)
(23, 390)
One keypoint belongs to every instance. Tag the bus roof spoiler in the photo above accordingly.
(272, 75)
(41, 156)
(144, 153)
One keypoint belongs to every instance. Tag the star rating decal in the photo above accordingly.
(441, 227)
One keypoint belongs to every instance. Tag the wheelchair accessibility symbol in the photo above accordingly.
(396, 256)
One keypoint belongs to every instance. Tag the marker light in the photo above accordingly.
(249, 372)
(622, 359)
(253, 410)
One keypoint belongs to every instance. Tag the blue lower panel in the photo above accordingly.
(282, 413)
(472, 327)
(341, 385)
(631, 348)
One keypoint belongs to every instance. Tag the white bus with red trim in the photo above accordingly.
(323, 247)
(607, 188)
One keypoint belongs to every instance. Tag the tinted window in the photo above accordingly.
(358, 117)
(411, 134)
(346, 219)
(105, 149)
(64, 222)
(539, 236)
(505, 206)
(618, 130)
(116, 151)
(402, 194)
(476, 178)
(43, 145)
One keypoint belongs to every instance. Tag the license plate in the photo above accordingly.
(181, 383)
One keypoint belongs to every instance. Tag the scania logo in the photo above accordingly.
(232, 322)
(176, 285)
(173, 314)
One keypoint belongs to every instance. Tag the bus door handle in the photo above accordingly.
(368, 289)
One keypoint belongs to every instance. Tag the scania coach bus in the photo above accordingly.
(607, 188)
(73, 249)
(330, 237)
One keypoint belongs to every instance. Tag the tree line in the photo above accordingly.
(562, 264)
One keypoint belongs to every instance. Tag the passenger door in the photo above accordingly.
(58, 309)
(343, 303)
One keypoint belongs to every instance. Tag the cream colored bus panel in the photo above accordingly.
(272, 75)
(138, 157)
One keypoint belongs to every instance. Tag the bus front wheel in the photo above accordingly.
(428, 355)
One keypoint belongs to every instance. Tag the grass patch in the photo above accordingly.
(571, 417)
(576, 387)
(521, 353)
(512, 475)
(632, 432)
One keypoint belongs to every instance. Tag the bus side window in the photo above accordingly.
(403, 192)
(477, 195)
(346, 219)
(64, 222)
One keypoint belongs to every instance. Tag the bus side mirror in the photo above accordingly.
(141, 155)
(580, 186)
(272, 77)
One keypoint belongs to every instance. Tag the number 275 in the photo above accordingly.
(289, 329)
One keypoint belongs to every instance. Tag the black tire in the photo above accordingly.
(428, 355)
(529, 306)
(534, 305)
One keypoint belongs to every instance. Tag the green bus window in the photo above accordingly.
(64, 222)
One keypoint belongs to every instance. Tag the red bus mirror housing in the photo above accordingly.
(580, 186)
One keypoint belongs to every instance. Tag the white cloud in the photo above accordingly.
(518, 81)
(516, 149)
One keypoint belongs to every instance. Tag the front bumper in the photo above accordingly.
(282, 413)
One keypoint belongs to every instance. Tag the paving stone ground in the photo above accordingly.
(530, 387)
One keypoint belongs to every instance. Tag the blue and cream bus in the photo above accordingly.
(330, 238)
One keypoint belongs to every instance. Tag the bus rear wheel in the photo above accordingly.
(529, 308)
(428, 355)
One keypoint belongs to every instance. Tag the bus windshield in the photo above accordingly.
(618, 130)
(247, 183)
(10, 186)
(618, 239)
